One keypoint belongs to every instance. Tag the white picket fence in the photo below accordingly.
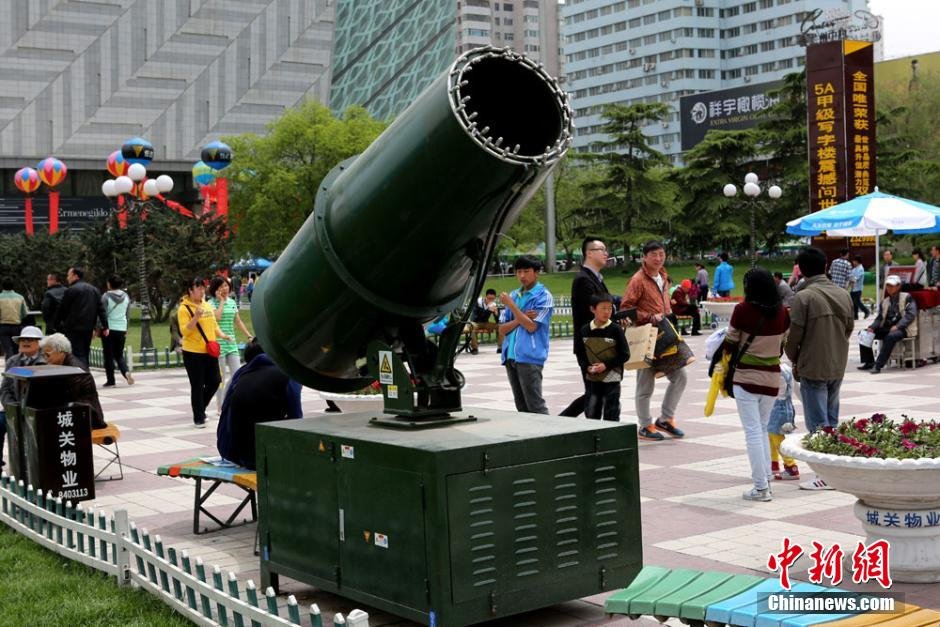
(114, 545)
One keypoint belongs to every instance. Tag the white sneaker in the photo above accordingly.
(758, 495)
(816, 484)
(200, 425)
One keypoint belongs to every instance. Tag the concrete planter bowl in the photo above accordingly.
(898, 500)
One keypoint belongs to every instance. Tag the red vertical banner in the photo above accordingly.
(29, 215)
(825, 125)
(221, 191)
(122, 212)
(53, 212)
(860, 117)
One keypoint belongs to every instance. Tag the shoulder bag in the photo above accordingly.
(212, 348)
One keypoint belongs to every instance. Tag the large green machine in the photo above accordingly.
(442, 514)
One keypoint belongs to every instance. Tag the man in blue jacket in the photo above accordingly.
(724, 282)
(524, 324)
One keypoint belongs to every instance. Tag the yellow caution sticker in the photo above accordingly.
(385, 367)
(393, 391)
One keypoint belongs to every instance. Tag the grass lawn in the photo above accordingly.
(42, 588)
(559, 283)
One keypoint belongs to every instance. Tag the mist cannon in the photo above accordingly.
(451, 525)
(403, 232)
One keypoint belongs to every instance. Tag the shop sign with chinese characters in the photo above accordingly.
(840, 122)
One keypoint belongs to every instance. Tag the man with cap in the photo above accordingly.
(896, 319)
(28, 341)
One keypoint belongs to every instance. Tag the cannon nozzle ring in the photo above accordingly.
(511, 98)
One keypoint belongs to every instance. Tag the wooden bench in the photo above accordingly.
(107, 440)
(696, 597)
(199, 469)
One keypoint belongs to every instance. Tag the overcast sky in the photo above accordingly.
(910, 26)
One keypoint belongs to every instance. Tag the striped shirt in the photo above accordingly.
(758, 370)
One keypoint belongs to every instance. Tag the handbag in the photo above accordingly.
(736, 357)
(213, 349)
(642, 343)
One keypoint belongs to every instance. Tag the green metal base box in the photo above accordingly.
(454, 525)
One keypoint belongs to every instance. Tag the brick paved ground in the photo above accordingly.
(693, 514)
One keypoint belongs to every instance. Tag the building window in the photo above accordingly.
(649, 19)
(749, 7)
(534, 19)
(768, 67)
(662, 16)
(785, 63)
(706, 53)
(749, 49)
(507, 6)
(682, 12)
(767, 46)
(706, 32)
(705, 12)
(729, 12)
(751, 70)
(649, 39)
(706, 74)
(532, 33)
(507, 21)
(766, 4)
(509, 36)
(635, 22)
(476, 32)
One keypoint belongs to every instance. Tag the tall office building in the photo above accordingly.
(632, 51)
(387, 51)
(79, 78)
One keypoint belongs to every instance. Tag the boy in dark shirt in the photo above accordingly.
(607, 350)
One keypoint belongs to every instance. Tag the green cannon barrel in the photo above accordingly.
(403, 232)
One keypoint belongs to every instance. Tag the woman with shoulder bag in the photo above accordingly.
(200, 348)
(755, 341)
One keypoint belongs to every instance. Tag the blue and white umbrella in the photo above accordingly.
(873, 214)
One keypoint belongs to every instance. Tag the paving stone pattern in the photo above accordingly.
(693, 514)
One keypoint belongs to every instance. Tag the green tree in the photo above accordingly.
(708, 219)
(28, 260)
(575, 216)
(274, 177)
(177, 249)
(783, 139)
(634, 200)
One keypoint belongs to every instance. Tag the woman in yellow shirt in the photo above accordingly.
(198, 327)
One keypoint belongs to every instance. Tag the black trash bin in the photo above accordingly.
(49, 435)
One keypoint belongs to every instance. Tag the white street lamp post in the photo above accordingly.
(139, 190)
(752, 191)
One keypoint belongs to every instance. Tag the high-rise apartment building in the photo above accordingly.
(632, 51)
(387, 51)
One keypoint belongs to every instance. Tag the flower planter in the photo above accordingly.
(352, 403)
(898, 500)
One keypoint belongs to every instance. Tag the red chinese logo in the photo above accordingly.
(868, 563)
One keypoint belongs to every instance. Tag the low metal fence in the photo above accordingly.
(114, 545)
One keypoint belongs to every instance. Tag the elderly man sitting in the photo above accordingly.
(28, 355)
(896, 319)
(57, 351)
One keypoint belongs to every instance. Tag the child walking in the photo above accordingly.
(606, 350)
(782, 422)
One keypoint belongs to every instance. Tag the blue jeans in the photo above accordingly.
(820, 403)
(526, 383)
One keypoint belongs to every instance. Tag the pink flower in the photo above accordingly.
(908, 444)
(908, 427)
(862, 424)
(878, 418)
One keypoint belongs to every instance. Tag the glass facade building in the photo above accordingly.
(387, 51)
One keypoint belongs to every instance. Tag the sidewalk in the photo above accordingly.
(693, 514)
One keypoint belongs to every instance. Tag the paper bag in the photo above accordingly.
(642, 342)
